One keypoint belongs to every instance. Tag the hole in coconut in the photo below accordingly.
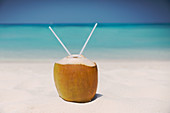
(75, 57)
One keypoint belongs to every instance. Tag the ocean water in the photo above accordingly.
(109, 41)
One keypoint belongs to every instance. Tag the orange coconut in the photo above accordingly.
(76, 78)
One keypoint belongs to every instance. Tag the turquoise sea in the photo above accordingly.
(109, 41)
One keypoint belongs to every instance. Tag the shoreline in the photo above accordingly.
(94, 60)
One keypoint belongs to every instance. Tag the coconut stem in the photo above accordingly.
(59, 41)
(87, 39)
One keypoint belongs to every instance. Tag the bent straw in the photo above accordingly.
(59, 41)
(88, 39)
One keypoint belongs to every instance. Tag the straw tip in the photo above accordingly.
(49, 27)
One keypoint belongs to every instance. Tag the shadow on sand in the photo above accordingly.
(96, 97)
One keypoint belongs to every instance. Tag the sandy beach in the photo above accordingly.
(123, 87)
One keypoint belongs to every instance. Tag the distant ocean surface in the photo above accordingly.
(109, 41)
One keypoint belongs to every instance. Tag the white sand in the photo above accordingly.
(124, 87)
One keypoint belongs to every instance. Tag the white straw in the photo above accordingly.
(87, 39)
(59, 40)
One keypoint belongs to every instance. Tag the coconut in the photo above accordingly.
(76, 78)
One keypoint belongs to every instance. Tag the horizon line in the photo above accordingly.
(83, 24)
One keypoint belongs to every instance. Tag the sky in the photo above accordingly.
(84, 11)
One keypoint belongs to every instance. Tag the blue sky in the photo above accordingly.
(84, 11)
